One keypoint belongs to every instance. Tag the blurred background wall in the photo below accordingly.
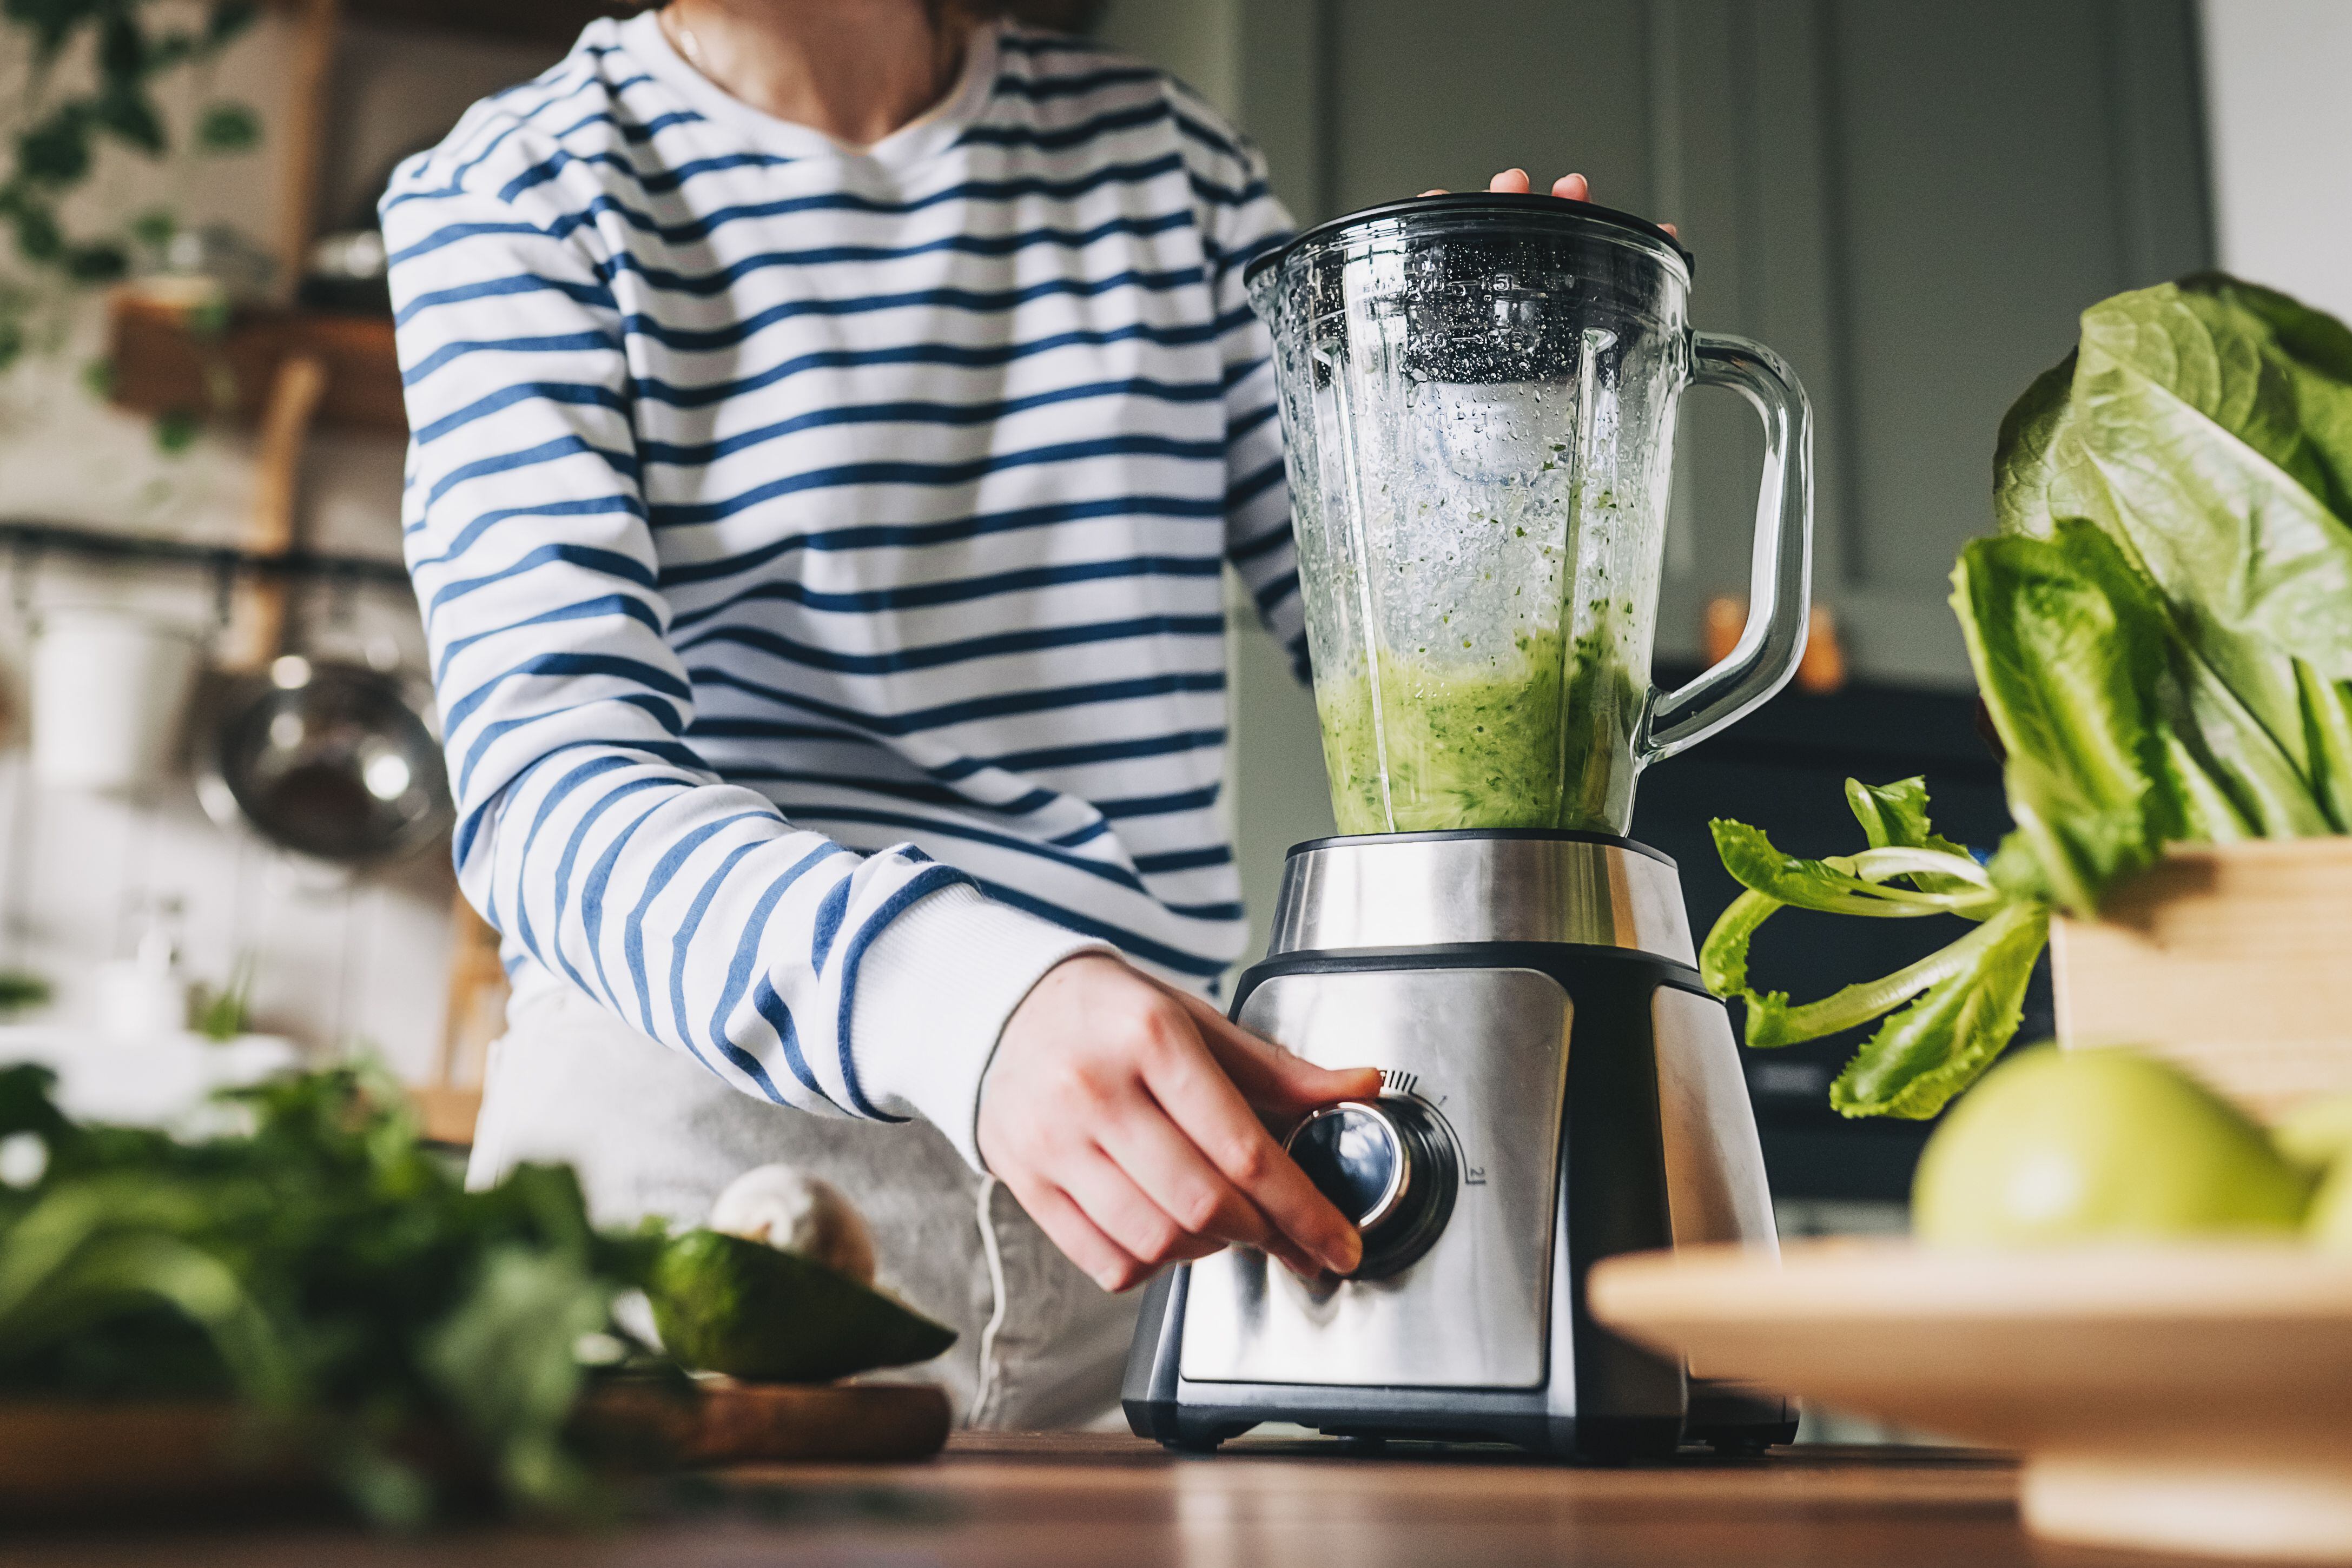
(1910, 199)
(336, 962)
(2279, 107)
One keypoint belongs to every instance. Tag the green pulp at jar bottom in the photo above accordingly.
(1543, 741)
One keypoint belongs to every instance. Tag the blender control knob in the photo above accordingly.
(1388, 1167)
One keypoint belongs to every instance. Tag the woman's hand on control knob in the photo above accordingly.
(1126, 1118)
(1570, 187)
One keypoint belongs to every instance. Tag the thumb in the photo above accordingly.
(1275, 1082)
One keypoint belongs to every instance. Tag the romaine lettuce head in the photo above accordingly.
(2205, 427)
(2162, 637)
(2070, 653)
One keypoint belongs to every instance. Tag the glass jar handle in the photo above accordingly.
(1781, 584)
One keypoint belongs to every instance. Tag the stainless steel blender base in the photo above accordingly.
(1474, 1313)
(1545, 1013)
(1400, 891)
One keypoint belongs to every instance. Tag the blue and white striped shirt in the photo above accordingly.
(821, 546)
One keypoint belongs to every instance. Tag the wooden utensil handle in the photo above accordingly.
(294, 393)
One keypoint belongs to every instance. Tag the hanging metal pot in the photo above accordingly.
(335, 760)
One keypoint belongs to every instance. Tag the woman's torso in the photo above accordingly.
(932, 439)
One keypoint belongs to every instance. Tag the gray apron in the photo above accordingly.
(1038, 1345)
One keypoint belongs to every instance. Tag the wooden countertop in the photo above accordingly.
(1045, 1502)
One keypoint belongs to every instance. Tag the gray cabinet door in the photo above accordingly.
(1984, 172)
(1910, 199)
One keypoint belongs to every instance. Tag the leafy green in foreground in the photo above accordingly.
(323, 1270)
(2162, 637)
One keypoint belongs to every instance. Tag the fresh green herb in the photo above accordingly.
(2162, 637)
(324, 1270)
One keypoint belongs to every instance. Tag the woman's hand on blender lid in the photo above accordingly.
(1126, 1117)
(1515, 182)
(1567, 187)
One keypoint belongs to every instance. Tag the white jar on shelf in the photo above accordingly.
(110, 690)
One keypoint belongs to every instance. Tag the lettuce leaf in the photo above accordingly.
(1943, 1043)
(329, 1273)
(2161, 634)
(1846, 884)
(1939, 878)
(2068, 655)
(2205, 427)
(1896, 816)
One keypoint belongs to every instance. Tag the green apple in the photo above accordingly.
(2318, 1133)
(2328, 1226)
(2076, 1145)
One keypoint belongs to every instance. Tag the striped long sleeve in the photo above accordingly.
(591, 832)
(819, 548)
(1246, 222)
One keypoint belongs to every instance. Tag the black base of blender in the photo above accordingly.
(1729, 1418)
(1732, 1418)
(1188, 1423)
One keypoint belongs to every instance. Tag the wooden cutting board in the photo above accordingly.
(732, 1423)
(60, 1457)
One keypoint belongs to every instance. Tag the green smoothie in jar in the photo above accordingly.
(1538, 738)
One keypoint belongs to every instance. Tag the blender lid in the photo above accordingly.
(1500, 203)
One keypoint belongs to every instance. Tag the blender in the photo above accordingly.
(1478, 396)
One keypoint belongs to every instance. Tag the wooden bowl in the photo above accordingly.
(2188, 1398)
(2227, 959)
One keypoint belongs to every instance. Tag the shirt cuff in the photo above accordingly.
(933, 996)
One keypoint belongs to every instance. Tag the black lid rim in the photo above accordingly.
(1511, 203)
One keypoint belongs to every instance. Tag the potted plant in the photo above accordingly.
(78, 76)
(2161, 632)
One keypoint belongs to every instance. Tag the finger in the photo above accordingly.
(1510, 182)
(1270, 1078)
(1672, 230)
(1173, 1173)
(1436, 192)
(1120, 1210)
(1104, 1261)
(1573, 187)
(1192, 1087)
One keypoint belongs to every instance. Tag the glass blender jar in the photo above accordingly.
(1478, 395)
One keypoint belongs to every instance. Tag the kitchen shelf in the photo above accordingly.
(163, 362)
(26, 538)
